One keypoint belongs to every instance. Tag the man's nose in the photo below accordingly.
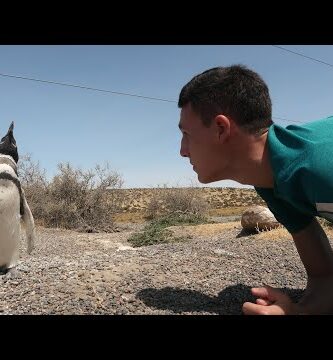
(183, 150)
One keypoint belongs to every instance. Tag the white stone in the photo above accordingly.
(258, 218)
(125, 247)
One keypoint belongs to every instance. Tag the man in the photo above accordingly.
(228, 134)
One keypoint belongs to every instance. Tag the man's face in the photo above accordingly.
(201, 145)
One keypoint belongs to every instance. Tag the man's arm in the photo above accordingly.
(316, 254)
(314, 250)
(317, 257)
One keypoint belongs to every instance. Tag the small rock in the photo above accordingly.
(258, 218)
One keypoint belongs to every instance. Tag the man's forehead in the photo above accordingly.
(188, 118)
(185, 115)
(181, 121)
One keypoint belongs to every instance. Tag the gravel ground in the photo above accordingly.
(77, 273)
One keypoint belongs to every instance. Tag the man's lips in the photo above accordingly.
(192, 165)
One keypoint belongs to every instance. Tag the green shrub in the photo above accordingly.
(155, 232)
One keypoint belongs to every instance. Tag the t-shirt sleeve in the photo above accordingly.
(317, 182)
(285, 213)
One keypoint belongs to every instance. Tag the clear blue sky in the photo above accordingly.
(139, 137)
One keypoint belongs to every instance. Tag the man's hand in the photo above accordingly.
(270, 302)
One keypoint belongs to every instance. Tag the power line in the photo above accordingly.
(85, 87)
(305, 56)
(106, 91)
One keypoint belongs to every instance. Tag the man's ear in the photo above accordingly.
(222, 124)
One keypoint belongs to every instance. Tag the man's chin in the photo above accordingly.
(204, 180)
(207, 180)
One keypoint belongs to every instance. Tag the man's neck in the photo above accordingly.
(252, 165)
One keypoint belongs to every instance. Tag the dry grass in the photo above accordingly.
(282, 233)
(328, 230)
(228, 211)
(140, 216)
(133, 217)
(211, 229)
(215, 229)
(203, 229)
(274, 234)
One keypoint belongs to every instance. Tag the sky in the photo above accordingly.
(139, 137)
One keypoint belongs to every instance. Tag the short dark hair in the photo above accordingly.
(235, 91)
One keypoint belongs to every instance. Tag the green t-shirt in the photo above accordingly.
(302, 163)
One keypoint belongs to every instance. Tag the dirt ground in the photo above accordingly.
(210, 272)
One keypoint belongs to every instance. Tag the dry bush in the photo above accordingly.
(35, 185)
(80, 199)
(170, 207)
(166, 201)
(74, 198)
(156, 205)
